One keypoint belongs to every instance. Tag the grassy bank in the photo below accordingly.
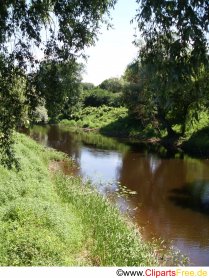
(48, 219)
(112, 121)
(116, 122)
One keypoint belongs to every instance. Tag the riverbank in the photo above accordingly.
(50, 219)
(115, 122)
(111, 121)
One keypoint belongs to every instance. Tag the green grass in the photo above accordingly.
(113, 121)
(48, 219)
(96, 117)
(35, 227)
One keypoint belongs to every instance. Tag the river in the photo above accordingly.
(166, 193)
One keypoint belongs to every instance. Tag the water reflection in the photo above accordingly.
(159, 213)
(172, 200)
(194, 196)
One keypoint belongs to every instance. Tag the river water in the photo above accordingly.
(166, 193)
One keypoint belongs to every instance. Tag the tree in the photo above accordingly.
(175, 54)
(135, 94)
(13, 107)
(87, 86)
(113, 85)
(59, 29)
(59, 84)
(98, 97)
(184, 25)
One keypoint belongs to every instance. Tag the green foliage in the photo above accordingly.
(111, 121)
(114, 85)
(184, 21)
(198, 143)
(59, 30)
(98, 97)
(96, 117)
(13, 107)
(40, 115)
(154, 94)
(69, 25)
(87, 86)
(59, 84)
(173, 60)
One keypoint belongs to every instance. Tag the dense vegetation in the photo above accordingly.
(98, 97)
(96, 117)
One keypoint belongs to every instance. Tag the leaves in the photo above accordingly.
(174, 52)
(58, 30)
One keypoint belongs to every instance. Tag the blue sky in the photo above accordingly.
(114, 49)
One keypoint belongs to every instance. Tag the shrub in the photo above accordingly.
(98, 97)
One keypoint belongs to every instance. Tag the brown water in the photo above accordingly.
(172, 200)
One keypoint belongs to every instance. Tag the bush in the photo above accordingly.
(114, 85)
(98, 97)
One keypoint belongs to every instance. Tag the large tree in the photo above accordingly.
(57, 29)
(174, 56)
(186, 21)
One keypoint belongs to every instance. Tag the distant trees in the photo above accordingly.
(98, 97)
(109, 93)
(114, 85)
(87, 86)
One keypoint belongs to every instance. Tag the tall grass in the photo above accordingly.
(35, 227)
(111, 240)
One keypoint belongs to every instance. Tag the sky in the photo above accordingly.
(114, 49)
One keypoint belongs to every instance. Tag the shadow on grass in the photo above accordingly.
(193, 196)
(145, 138)
(129, 127)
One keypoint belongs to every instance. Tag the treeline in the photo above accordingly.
(109, 93)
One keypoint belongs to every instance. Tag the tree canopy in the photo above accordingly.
(60, 85)
(59, 28)
(183, 24)
(113, 85)
(172, 62)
